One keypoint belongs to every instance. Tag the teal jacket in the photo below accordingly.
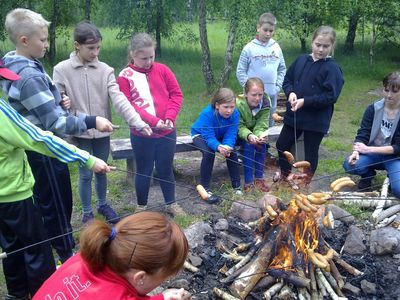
(17, 134)
(249, 123)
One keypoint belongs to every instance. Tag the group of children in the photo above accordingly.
(121, 262)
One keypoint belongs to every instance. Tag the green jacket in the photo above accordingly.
(252, 124)
(17, 134)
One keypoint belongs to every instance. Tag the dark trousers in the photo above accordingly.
(53, 193)
(158, 152)
(207, 164)
(20, 226)
(286, 140)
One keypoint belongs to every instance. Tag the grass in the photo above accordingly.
(185, 60)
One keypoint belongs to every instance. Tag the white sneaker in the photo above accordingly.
(238, 191)
(140, 208)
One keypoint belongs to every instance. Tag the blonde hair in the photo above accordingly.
(21, 21)
(141, 40)
(267, 18)
(253, 81)
(326, 31)
(147, 241)
(222, 96)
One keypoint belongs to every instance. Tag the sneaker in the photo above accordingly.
(261, 185)
(248, 187)
(365, 185)
(212, 199)
(238, 191)
(140, 208)
(175, 209)
(110, 215)
(87, 217)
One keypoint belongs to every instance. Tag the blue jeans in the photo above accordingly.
(274, 104)
(253, 159)
(207, 164)
(367, 164)
(158, 152)
(100, 148)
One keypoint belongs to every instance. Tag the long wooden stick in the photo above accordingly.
(336, 274)
(268, 294)
(388, 212)
(321, 278)
(223, 295)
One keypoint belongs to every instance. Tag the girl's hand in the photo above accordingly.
(263, 140)
(353, 158)
(146, 130)
(292, 97)
(297, 104)
(104, 125)
(65, 101)
(252, 139)
(225, 150)
(101, 167)
(160, 124)
(176, 294)
(361, 148)
(169, 124)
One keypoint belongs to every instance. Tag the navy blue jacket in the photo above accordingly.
(320, 84)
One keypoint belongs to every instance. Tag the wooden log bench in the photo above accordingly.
(122, 148)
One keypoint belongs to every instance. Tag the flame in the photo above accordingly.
(301, 233)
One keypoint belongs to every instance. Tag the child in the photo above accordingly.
(123, 262)
(21, 223)
(254, 114)
(263, 58)
(154, 92)
(89, 85)
(215, 131)
(37, 98)
(312, 85)
(377, 144)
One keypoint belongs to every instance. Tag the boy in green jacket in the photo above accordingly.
(21, 224)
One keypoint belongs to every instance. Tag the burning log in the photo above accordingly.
(349, 268)
(268, 294)
(314, 290)
(244, 261)
(264, 283)
(290, 277)
(335, 273)
(223, 295)
(286, 293)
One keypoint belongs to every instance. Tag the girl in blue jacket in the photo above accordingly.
(215, 131)
(312, 86)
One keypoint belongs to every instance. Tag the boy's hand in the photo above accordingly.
(65, 101)
(353, 158)
(101, 167)
(104, 125)
(176, 294)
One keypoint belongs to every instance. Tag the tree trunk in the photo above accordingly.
(52, 30)
(158, 27)
(189, 7)
(149, 19)
(87, 9)
(351, 33)
(206, 60)
(373, 43)
(303, 44)
(226, 71)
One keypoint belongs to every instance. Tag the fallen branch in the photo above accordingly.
(388, 212)
(223, 295)
(268, 294)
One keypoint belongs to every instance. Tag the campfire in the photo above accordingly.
(289, 258)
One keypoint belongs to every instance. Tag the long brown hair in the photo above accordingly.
(147, 241)
(222, 96)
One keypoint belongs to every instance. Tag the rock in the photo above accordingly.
(385, 241)
(195, 260)
(368, 287)
(196, 232)
(246, 211)
(180, 283)
(352, 289)
(354, 244)
(268, 199)
(340, 214)
(222, 224)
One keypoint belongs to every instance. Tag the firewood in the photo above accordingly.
(332, 281)
(384, 194)
(290, 277)
(188, 266)
(286, 293)
(321, 287)
(233, 256)
(314, 291)
(361, 201)
(223, 295)
(244, 261)
(386, 221)
(303, 294)
(335, 273)
(268, 294)
(328, 287)
(349, 268)
(264, 283)
(388, 213)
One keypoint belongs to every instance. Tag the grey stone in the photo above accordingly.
(222, 224)
(368, 287)
(354, 241)
(195, 233)
(341, 215)
(245, 210)
(195, 260)
(385, 241)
